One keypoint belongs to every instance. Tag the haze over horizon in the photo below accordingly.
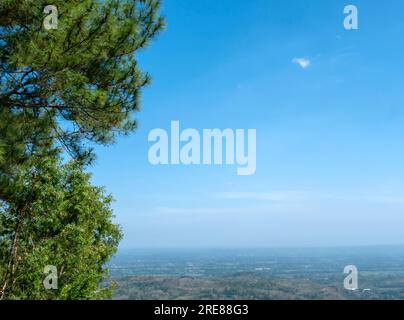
(374, 247)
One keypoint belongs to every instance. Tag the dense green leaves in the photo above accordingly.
(56, 218)
(83, 76)
(64, 89)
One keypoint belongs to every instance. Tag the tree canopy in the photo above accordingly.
(81, 81)
(56, 217)
(61, 91)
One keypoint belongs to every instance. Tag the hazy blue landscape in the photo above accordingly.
(289, 273)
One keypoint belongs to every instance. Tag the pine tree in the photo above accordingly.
(82, 80)
(64, 89)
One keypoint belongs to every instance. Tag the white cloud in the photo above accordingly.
(302, 62)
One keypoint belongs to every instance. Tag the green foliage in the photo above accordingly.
(64, 89)
(83, 78)
(56, 218)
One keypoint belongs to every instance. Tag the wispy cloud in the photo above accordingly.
(274, 196)
(313, 197)
(302, 62)
(197, 210)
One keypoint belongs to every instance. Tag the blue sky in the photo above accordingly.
(330, 137)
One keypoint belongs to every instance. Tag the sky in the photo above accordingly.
(328, 108)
